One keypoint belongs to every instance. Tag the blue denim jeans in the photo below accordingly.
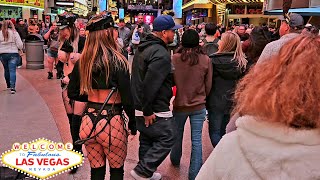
(9, 62)
(217, 125)
(196, 121)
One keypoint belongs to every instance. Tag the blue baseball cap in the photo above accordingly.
(164, 22)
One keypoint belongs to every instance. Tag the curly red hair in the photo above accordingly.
(285, 89)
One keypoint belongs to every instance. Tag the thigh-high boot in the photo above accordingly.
(75, 129)
(116, 173)
(98, 173)
(59, 68)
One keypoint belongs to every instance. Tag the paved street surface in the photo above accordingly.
(37, 111)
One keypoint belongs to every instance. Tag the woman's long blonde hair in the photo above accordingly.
(286, 88)
(99, 52)
(230, 42)
(5, 29)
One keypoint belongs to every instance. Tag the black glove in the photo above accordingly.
(132, 126)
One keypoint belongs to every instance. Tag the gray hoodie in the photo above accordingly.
(12, 45)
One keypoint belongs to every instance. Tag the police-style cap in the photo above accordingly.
(100, 22)
(66, 20)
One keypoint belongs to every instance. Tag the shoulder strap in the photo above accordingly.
(204, 41)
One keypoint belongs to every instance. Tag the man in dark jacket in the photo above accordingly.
(22, 29)
(151, 85)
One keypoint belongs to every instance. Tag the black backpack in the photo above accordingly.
(211, 47)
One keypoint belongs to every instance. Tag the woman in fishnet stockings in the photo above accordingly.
(101, 68)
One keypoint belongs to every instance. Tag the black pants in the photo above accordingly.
(156, 142)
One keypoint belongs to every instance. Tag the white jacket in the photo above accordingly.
(264, 150)
(13, 44)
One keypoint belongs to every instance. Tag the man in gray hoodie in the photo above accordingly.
(289, 29)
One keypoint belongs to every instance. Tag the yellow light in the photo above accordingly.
(30, 7)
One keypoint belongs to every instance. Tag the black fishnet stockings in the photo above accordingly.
(104, 146)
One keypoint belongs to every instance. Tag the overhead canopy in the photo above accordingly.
(199, 3)
(302, 11)
(235, 1)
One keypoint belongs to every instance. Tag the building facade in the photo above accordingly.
(309, 9)
(22, 9)
(198, 11)
(226, 12)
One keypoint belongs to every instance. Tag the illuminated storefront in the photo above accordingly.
(149, 11)
(198, 11)
(8, 12)
(250, 13)
(242, 12)
(21, 9)
(80, 7)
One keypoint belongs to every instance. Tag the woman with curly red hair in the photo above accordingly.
(278, 133)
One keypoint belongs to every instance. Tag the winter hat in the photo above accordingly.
(190, 39)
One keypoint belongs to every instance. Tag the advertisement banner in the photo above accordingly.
(177, 8)
(11, 12)
(42, 158)
(121, 13)
(102, 5)
(148, 19)
(30, 3)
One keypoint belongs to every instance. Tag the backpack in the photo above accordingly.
(211, 47)
(175, 41)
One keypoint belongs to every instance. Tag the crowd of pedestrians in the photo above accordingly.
(260, 88)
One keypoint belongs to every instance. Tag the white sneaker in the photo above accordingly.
(155, 176)
(13, 90)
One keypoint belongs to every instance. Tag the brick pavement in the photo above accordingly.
(49, 93)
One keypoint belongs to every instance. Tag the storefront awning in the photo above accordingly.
(302, 11)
